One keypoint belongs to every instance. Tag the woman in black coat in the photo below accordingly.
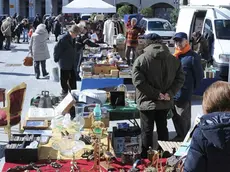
(18, 30)
(57, 29)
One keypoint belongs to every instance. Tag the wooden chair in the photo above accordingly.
(10, 115)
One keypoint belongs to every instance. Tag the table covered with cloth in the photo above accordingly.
(85, 165)
(98, 83)
(127, 112)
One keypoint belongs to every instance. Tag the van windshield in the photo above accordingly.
(159, 26)
(222, 29)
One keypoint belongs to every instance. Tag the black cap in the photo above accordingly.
(153, 37)
(180, 35)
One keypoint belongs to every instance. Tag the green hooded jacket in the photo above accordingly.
(156, 71)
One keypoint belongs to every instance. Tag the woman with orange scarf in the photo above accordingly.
(191, 64)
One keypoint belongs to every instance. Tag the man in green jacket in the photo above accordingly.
(157, 76)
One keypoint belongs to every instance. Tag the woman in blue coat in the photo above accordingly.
(210, 146)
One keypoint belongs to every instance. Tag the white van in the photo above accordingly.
(214, 23)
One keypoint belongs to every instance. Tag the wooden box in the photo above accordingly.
(103, 69)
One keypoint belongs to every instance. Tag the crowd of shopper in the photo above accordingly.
(164, 82)
(15, 28)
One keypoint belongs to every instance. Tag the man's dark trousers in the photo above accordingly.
(68, 80)
(8, 42)
(147, 125)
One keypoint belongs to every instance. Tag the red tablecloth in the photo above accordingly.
(84, 165)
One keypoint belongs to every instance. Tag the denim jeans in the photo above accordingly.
(25, 35)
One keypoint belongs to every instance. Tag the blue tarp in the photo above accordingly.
(130, 16)
(94, 83)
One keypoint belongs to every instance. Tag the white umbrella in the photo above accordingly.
(88, 6)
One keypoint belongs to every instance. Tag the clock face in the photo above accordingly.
(35, 123)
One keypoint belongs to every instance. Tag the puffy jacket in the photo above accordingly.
(210, 146)
(156, 71)
(38, 44)
(191, 64)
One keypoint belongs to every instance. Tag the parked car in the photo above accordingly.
(85, 17)
(159, 26)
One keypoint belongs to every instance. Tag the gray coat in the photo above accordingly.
(6, 27)
(38, 45)
(156, 71)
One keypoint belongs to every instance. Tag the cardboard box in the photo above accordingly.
(65, 105)
(103, 69)
(88, 120)
(115, 73)
(108, 75)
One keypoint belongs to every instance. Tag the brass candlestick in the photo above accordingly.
(97, 129)
(74, 166)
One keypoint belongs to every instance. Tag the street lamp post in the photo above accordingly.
(140, 6)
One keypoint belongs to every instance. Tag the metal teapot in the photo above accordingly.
(45, 100)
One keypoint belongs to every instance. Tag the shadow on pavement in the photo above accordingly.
(16, 74)
(19, 49)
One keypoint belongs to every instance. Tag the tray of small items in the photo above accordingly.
(22, 148)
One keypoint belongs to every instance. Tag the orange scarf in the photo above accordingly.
(179, 52)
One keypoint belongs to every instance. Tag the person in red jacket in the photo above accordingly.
(132, 40)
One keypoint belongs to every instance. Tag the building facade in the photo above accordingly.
(161, 8)
(29, 8)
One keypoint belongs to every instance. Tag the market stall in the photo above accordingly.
(88, 6)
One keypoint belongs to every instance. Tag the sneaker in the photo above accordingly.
(46, 74)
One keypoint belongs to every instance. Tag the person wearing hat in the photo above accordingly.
(157, 76)
(191, 64)
(82, 39)
(65, 54)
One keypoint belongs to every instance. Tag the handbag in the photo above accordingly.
(28, 61)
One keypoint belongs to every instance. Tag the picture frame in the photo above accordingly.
(36, 124)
